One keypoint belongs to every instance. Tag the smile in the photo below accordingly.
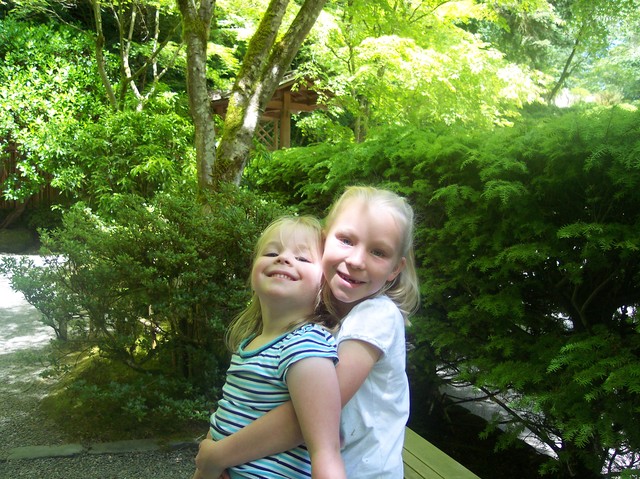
(349, 279)
(282, 276)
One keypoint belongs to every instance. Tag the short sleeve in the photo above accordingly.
(376, 321)
(309, 341)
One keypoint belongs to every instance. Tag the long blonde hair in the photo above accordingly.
(249, 321)
(404, 289)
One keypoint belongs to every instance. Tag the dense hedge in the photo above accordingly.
(528, 247)
(153, 284)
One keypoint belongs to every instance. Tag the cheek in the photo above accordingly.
(253, 279)
(325, 268)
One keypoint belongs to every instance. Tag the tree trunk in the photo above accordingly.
(15, 214)
(100, 60)
(263, 67)
(196, 25)
(566, 70)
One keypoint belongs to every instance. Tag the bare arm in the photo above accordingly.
(258, 440)
(313, 385)
(357, 359)
(206, 467)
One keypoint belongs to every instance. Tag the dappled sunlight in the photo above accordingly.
(21, 327)
(18, 343)
(19, 379)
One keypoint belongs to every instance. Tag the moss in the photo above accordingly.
(18, 240)
(102, 401)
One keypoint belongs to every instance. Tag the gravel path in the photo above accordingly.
(22, 339)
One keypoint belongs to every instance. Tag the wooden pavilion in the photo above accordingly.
(293, 95)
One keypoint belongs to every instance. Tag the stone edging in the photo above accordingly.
(117, 447)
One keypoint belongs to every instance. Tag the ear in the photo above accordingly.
(397, 270)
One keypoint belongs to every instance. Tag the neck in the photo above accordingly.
(277, 318)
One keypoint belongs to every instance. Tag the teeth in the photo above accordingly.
(349, 280)
(281, 276)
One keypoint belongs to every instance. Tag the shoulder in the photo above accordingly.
(309, 332)
(377, 321)
(308, 338)
(380, 305)
(308, 341)
(380, 309)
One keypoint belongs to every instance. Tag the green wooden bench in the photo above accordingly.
(423, 460)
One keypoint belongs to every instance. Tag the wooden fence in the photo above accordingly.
(9, 157)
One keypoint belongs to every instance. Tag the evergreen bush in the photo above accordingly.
(151, 286)
(528, 250)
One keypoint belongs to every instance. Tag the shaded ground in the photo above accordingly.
(23, 341)
(24, 344)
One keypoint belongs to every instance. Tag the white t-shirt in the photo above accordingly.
(373, 421)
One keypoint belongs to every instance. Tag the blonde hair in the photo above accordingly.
(249, 321)
(404, 289)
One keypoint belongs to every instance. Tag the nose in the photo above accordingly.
(356, 258)
(283, 258)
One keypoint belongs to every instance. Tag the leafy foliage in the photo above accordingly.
(528, 251)
(153, 285)
(127, 152)
(47, 85)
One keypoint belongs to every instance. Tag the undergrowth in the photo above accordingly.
(99, 401)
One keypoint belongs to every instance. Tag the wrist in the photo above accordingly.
(211, 458)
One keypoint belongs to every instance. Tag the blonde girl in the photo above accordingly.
(371, 284)
(282, 353)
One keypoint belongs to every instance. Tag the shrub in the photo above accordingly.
(154, 285)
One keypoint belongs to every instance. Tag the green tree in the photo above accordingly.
(527, 246)
(391, 63)
(154, 283)
(529, 265)
(138, 40)
(568, 40)
(48, 85)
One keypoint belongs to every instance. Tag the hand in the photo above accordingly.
(197, 475)
(206, 467)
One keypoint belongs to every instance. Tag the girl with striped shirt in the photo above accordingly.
(282, 353)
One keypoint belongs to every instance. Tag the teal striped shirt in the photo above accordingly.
(256, 383)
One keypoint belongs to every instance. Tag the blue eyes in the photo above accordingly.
(275, 254)
(376, 252)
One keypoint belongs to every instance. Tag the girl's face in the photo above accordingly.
(361, 253)
(288, 267)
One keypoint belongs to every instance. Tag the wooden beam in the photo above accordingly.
(423, 460)
(293, 107)
(285, 121)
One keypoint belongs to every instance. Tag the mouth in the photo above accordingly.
(349, 279)
(282, 276)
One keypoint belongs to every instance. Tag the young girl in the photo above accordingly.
(282, 353)
(369, 268)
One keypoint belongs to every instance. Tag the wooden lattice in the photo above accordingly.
(268, 133)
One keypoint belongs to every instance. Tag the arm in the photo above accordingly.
(206, 467)
(254, 441)
(357, 359)
(315, 395)
(257, 439)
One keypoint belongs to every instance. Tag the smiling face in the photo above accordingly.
(287, 271)
(361, 252)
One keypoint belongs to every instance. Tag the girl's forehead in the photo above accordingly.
(294, 237)
(358, 209)
(375, 222)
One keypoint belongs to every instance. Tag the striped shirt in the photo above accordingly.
(256, 383)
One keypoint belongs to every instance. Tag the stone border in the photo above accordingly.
(116, 447)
